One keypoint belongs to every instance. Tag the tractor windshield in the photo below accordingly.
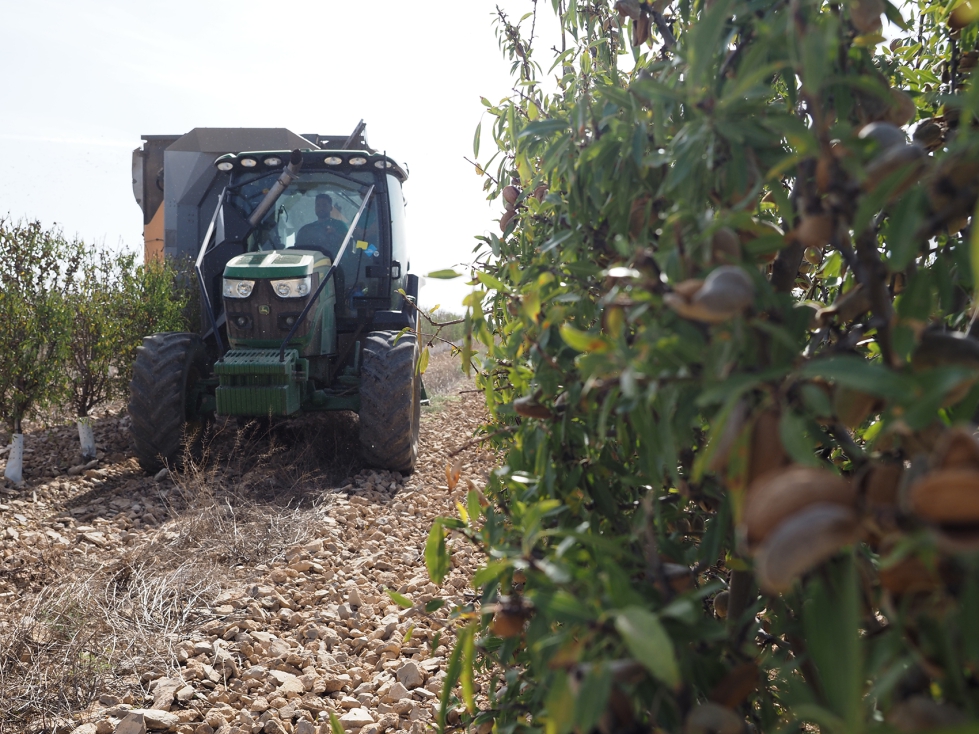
(314, 213)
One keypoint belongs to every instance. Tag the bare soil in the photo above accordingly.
(248, 593)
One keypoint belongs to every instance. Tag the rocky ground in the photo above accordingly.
(247, 595)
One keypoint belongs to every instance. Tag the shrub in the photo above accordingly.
(730, 355)
(37, 268)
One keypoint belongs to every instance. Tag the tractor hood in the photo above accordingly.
(274, 264)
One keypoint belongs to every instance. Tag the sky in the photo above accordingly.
(81, 82)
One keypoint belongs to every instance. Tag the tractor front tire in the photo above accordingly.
(164, 399)
(390, 400)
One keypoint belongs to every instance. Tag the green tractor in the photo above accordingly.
(305, 297)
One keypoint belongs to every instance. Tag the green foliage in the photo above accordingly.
(37, 269)
(114, 303)
(72, 317)
(716, 283)
(153, 297)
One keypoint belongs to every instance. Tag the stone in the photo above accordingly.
(395, 693)
(225, 663)
(157, 720)
(410, 676)
(356, 719)
(337, 683)
(305, 726)
(105, 727)
(163, 690)
(85, 729)
(289, 684)
(132, 724)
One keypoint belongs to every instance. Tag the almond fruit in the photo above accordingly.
(785, 493)
(802, 543)
(947, 497)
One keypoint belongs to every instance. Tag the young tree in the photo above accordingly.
(114, 303)
(730, 346)
(37, 268)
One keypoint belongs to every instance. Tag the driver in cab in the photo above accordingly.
(326, 233)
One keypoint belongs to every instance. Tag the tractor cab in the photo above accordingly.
(338, 199)
(306, 301)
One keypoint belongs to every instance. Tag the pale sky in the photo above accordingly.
(80, 82)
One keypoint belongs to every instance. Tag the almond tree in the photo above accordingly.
(730, 349)
(38, 266)
(114, 303)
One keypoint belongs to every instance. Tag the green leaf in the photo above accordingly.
(489, 573)
(436, 556)
(452, 672)
(479, 129)
(447, 274)
(490, 282)
(335, 726)
(793, 432)
(703, 41)
(472, 504)
(423, 361)
(649, 643)
(560, 705)
(831, 617)
(402, 601)
(582, 341)
(434, 605)
(593, 697)
(468, 643)
(543, 128)
(860, 374)
(894, 15)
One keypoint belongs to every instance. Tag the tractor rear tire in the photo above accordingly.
(164, 408)
(390, 401)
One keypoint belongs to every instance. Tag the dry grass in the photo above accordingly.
(82, 637)
(444, 375)
(99, 627)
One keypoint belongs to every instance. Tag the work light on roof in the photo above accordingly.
(357, 161)
(273, 161)
(225, 166)
(249, 162)
(333, 160)
(382, 164)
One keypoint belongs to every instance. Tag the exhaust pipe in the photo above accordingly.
(288, 174)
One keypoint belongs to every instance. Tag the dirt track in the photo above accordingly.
(244, 596)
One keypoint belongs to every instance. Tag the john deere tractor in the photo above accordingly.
(301, 261)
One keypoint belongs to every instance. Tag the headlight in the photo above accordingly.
(293, 287)
(249, 162)
(238, 288)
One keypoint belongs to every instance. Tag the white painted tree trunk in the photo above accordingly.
(86, 437)
(15, 460)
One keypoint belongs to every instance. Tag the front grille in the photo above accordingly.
(265, 314)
